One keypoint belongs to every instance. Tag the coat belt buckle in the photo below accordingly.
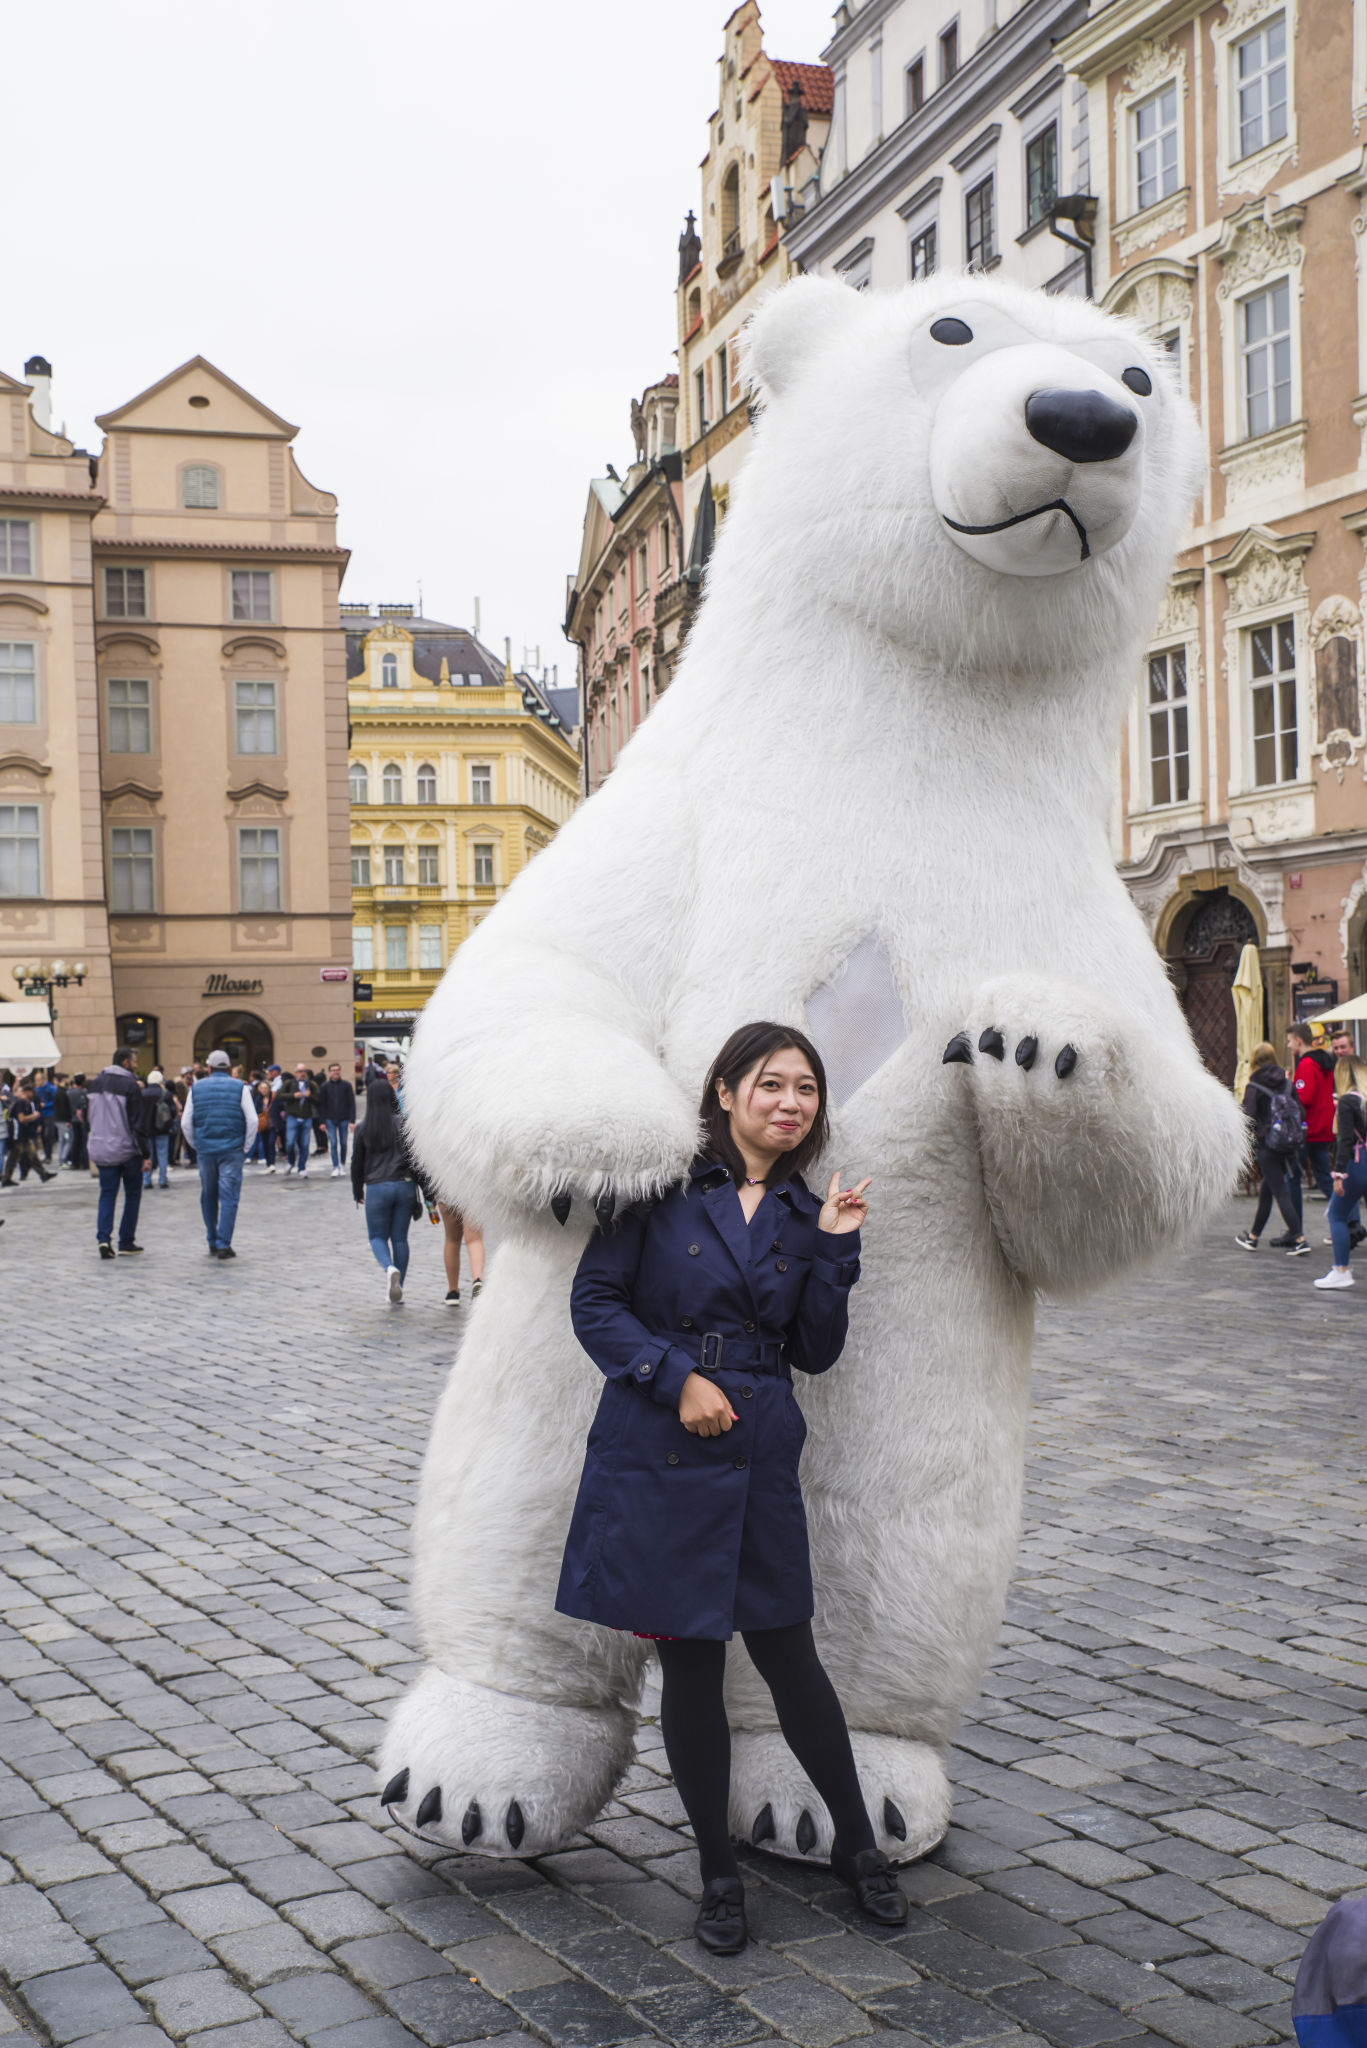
(712, 1364)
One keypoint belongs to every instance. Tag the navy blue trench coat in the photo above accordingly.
(681, 1535)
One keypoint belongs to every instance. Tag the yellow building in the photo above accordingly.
(460, 771)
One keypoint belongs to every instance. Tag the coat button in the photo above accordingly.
(686, 1323)
(693, 1250)
(673, 1458)
(782, 1265)
(746, 1393)
(750, 1329)
(739, 1464)
(778, 1244)
(644, 1371)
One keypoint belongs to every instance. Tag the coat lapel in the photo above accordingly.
(729, 1218)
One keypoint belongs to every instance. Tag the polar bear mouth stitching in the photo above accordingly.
(1054, 505)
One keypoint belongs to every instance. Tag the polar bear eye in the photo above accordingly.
(1137, 381)
(953, 333)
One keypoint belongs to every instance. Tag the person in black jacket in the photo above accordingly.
(1350, 1184)
(384, 1179)
(1279, 1171)
(337, 1101)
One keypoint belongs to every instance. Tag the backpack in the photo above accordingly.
(1285, 1123)
(165, 1117)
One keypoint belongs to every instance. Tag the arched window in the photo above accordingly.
(730, 213)
(393, 783)
(358, 783)
(427, 783)
(389, 672)
(199, 487)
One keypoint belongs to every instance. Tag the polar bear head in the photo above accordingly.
(966, 463)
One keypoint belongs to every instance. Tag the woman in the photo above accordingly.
(1350, 1184)
(158, 1123)
(1279, 1171)
(79, 1099)
(689, 1523)
(458, 1232)
(382, 1177)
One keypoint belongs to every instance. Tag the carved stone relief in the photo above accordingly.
(1145, 230)
(1264, 576)
(1336, 643)
(1254, 242)
(1273, 462)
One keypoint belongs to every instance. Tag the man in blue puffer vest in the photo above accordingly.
(220, 1122)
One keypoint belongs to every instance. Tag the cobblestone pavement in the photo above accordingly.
(205, 1480)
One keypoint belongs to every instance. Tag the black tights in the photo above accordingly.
(697, 1736)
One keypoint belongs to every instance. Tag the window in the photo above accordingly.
(363, 946)
(429, 945)
(396, 947)
(664, 548)
(730, 213)
(949, 53)
(484, 866)
(251, 594)
(978, 213)
(1260, 78)
(16, 547)
(642, 572)
(428, 878)
(916, 86)
(255, 714)
(1272, 676)
(427, 783)
(199, 488)
(1041, 175)
(358, 783)
(132, 884)
(360, 867)
(1169, 757)
(393, 783)
(393, 867)
(721, 381)
(701, 383)
(258, 867)
(21, 851)
(1155, 147)
(130, 715)
(481, 783)
(389, 672)
(1265, 342)
(923, 252)
(18, 682)
(125, 593)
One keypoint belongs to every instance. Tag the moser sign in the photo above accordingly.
(224, 985)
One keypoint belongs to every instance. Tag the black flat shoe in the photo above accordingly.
(873, 1881)
(720, 1926)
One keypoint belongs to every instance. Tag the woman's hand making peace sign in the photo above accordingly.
(843, 1209)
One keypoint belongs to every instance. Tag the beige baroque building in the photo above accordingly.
(52, 905)
(222, 730)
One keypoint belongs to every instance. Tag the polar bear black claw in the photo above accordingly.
(396, 1791)
(806, 1833)
(604, 1207)
(471, 1823)
(893, 1820)
(560, 1205)
(764, 1829)
(958, 1053)
(429, 1813)
(993, 1042)
(513, 1824)
(1025, 1053)
(1066, 1061)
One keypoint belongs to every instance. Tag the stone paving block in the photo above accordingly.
(218, 1909)
(1067, 2016)
(443, 1919)
(1048, 1892)
(693, 2017)
(968, 1854)
(775, 1917)
(504, 1963)
(337, 1916)
(1002, 1923)
(267, 1955)
(174, 1870)
(1344, 1845)
(1167, 1897)
(1304, 1867)
(923, 1883)
(387, 1959)
(570, 2014)
(99, 1905)
(1107, 1976)
(158, 1949)
(756, 1964)
(1218, 1830)
(262, 2033)
(243, 1841)
(589, 1867)
(82, 2001)
(1226, 1980)
(341, 1842)
(308, 2004)
(292, 1877)
(1141, 1939)
(374, 2033)
(1246, 1935)
(858, 1968)
(549, 1916)
(968, 1965)
(1088, 1863)
(385, 1879)
(636, 1836)
(34, 1940)
(810, 2013)
(656, 1909)
(1189, 1859)
(1274, 1899)
(199, 2000)
(944, 2018)
(1193, 2023)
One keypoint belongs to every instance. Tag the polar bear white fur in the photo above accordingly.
(896, 718)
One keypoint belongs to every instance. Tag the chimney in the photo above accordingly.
(38, 372)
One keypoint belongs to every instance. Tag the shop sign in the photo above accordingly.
(362, 990)
(224, 985)
(334, 973)
(1312, 999)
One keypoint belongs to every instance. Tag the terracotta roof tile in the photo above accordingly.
(816, 80)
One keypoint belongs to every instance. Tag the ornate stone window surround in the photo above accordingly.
(1337, 618)
(134, 807)
(1153, 65)
(1234, 174)
(1264, 580)
(484, 835)
(1157, 293)
(18, 622)
(22, 781)
(1259, 247)
(1177, 629)
(250, 658)
(256, 806)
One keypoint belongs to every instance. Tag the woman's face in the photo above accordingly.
(776, 1103)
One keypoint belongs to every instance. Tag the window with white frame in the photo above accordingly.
(199, 487)
(392, 783)
(429, 945)
(251, 591)
(1041, 174)
(1155, 147)
(132, 868)
(1265, 346)
(1271, 659)
(922, 256)
(394, 867)
(1169, 748)
(389, 672)
(254, 711)
(18, 682)
(1260, 88)
(481, 783)
(128, 702)
(258, 867)
(363, 945)
(981, 234)
(428, 877)
(396, 947)
(125, 593)
(360, 867)
(16, 547)
(427, 783)
(484, 866)
(21, 850)
(358, 783)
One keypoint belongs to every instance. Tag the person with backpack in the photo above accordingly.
(118, 1147)
(385, 1182)
(159, 1111)
(1273, 1109)
(1350, 1184)
(23, 1131)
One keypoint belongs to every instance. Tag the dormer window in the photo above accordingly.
(389, 672)
(199, 488)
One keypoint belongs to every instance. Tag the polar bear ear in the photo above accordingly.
(794, 324)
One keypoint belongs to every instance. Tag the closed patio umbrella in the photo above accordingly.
(1248, 1014)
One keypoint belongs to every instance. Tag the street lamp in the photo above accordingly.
(36, 980)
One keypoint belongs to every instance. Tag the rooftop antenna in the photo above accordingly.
(420, 609)
(476, 618)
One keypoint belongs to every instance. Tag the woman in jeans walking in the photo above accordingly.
(1279, 1171)
(1350, 1184)
(383, 1178)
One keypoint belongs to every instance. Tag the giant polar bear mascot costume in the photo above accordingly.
(876, 795)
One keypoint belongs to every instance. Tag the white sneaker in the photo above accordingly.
(270, 1169)
(1334, 1278)
(395, 1286)
(288, 1171)
(336, 1173)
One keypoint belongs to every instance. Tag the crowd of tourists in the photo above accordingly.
(1309, 1124)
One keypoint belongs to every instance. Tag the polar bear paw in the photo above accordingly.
(775, 1806)
(497, 1773)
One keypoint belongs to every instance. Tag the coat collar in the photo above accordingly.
(795, 1191)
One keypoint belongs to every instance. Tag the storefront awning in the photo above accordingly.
(26, 1038)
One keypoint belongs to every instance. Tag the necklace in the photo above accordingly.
(752, 1182)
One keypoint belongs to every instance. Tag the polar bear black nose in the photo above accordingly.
(1082, 426)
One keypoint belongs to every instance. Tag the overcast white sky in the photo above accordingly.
(439, 236)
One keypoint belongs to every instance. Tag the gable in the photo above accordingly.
(166, 407)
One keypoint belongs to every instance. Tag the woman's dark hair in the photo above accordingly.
(383, 1125)
(743, 1051)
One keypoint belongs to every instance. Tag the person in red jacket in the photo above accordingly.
(1313, 1069)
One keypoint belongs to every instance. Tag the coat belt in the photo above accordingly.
(717, 1348)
